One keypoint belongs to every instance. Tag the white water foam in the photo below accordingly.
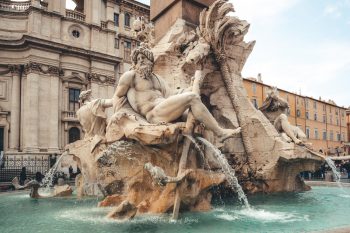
(268, 216)
(228, 171)
(226, 216)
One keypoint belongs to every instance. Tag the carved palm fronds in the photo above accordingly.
(221, 31)
(217, 28)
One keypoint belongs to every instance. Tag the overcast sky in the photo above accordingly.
(302, 46)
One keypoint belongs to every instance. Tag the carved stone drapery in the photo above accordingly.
(42, 68)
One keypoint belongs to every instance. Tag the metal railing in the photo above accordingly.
(12, 166)
(14, 6)
(75, 15)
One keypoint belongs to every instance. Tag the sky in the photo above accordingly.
(302, 46)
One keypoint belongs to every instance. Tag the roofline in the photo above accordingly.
(303, 96)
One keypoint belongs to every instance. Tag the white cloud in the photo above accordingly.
(332, 10)
(257, 10)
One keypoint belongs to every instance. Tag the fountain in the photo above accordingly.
(146, 160)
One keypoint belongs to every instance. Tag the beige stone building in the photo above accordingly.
(323, 121)
(48, 55)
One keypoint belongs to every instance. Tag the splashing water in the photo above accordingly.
(228, 171)
(336, 174)
(48, 179)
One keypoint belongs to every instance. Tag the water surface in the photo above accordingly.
(319, 209)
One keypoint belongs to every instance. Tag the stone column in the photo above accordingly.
(31, 113)
(93, 12)
(54, 115)
(57, 6)
(15, 109)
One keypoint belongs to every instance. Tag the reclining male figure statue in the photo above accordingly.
(149, 96)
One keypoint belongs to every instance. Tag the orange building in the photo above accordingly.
(324, 123)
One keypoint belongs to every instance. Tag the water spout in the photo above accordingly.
(48, 179)
(228, 171)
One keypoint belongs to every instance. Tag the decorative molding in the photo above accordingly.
(3, 89)
(104, 79)
(33, 67)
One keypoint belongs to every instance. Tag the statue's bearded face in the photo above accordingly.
(144, 65)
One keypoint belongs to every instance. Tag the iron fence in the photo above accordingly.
(12, 166)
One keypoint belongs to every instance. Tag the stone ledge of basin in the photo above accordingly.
(326, 183)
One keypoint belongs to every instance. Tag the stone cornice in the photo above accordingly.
(33, 67)
(29, 41)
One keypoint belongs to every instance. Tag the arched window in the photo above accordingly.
(74, 134)
(127, 20)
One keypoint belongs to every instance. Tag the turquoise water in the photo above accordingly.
(319, 209)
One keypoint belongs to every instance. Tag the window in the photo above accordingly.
(343, 137)
(74, 99)
(287, 98)
(316, 133)
(127, 50)
(127, 20)
(307, 115)
(288, 111)
(336, 112)
(331, 136)
(324, 119)
(307, 132)
(338, 137)
(298, 113)
(74, 134)
(315, 105)
(2, 139)
(76, 33)
(128, 44)
(306, 103)
(255, 103)
(116, 19)
(337, 121)
(324, 135)
(331, 119)
(324, 107)
(330, 109)
(297, 100)
(315, 116)
(254, 88)
(116, 43)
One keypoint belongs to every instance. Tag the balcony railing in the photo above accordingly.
(75, 15)
(103, 25)
(69, 116)
(14, 6)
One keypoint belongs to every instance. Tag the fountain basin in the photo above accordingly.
(321, 209)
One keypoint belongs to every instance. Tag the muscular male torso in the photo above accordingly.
(144, 93)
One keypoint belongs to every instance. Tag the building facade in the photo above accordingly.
(48, 55)
(323, 122)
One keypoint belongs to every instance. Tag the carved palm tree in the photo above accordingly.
(225, 36)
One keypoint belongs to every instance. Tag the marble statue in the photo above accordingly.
(189, 76)
(148, 95)
(275, 109)
(91, 114)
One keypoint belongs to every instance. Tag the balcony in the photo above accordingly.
(69, 116)
(14, 6)
(76, 15)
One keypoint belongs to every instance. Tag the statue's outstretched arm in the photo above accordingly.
(124, 84)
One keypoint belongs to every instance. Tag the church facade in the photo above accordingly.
(48, 55)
